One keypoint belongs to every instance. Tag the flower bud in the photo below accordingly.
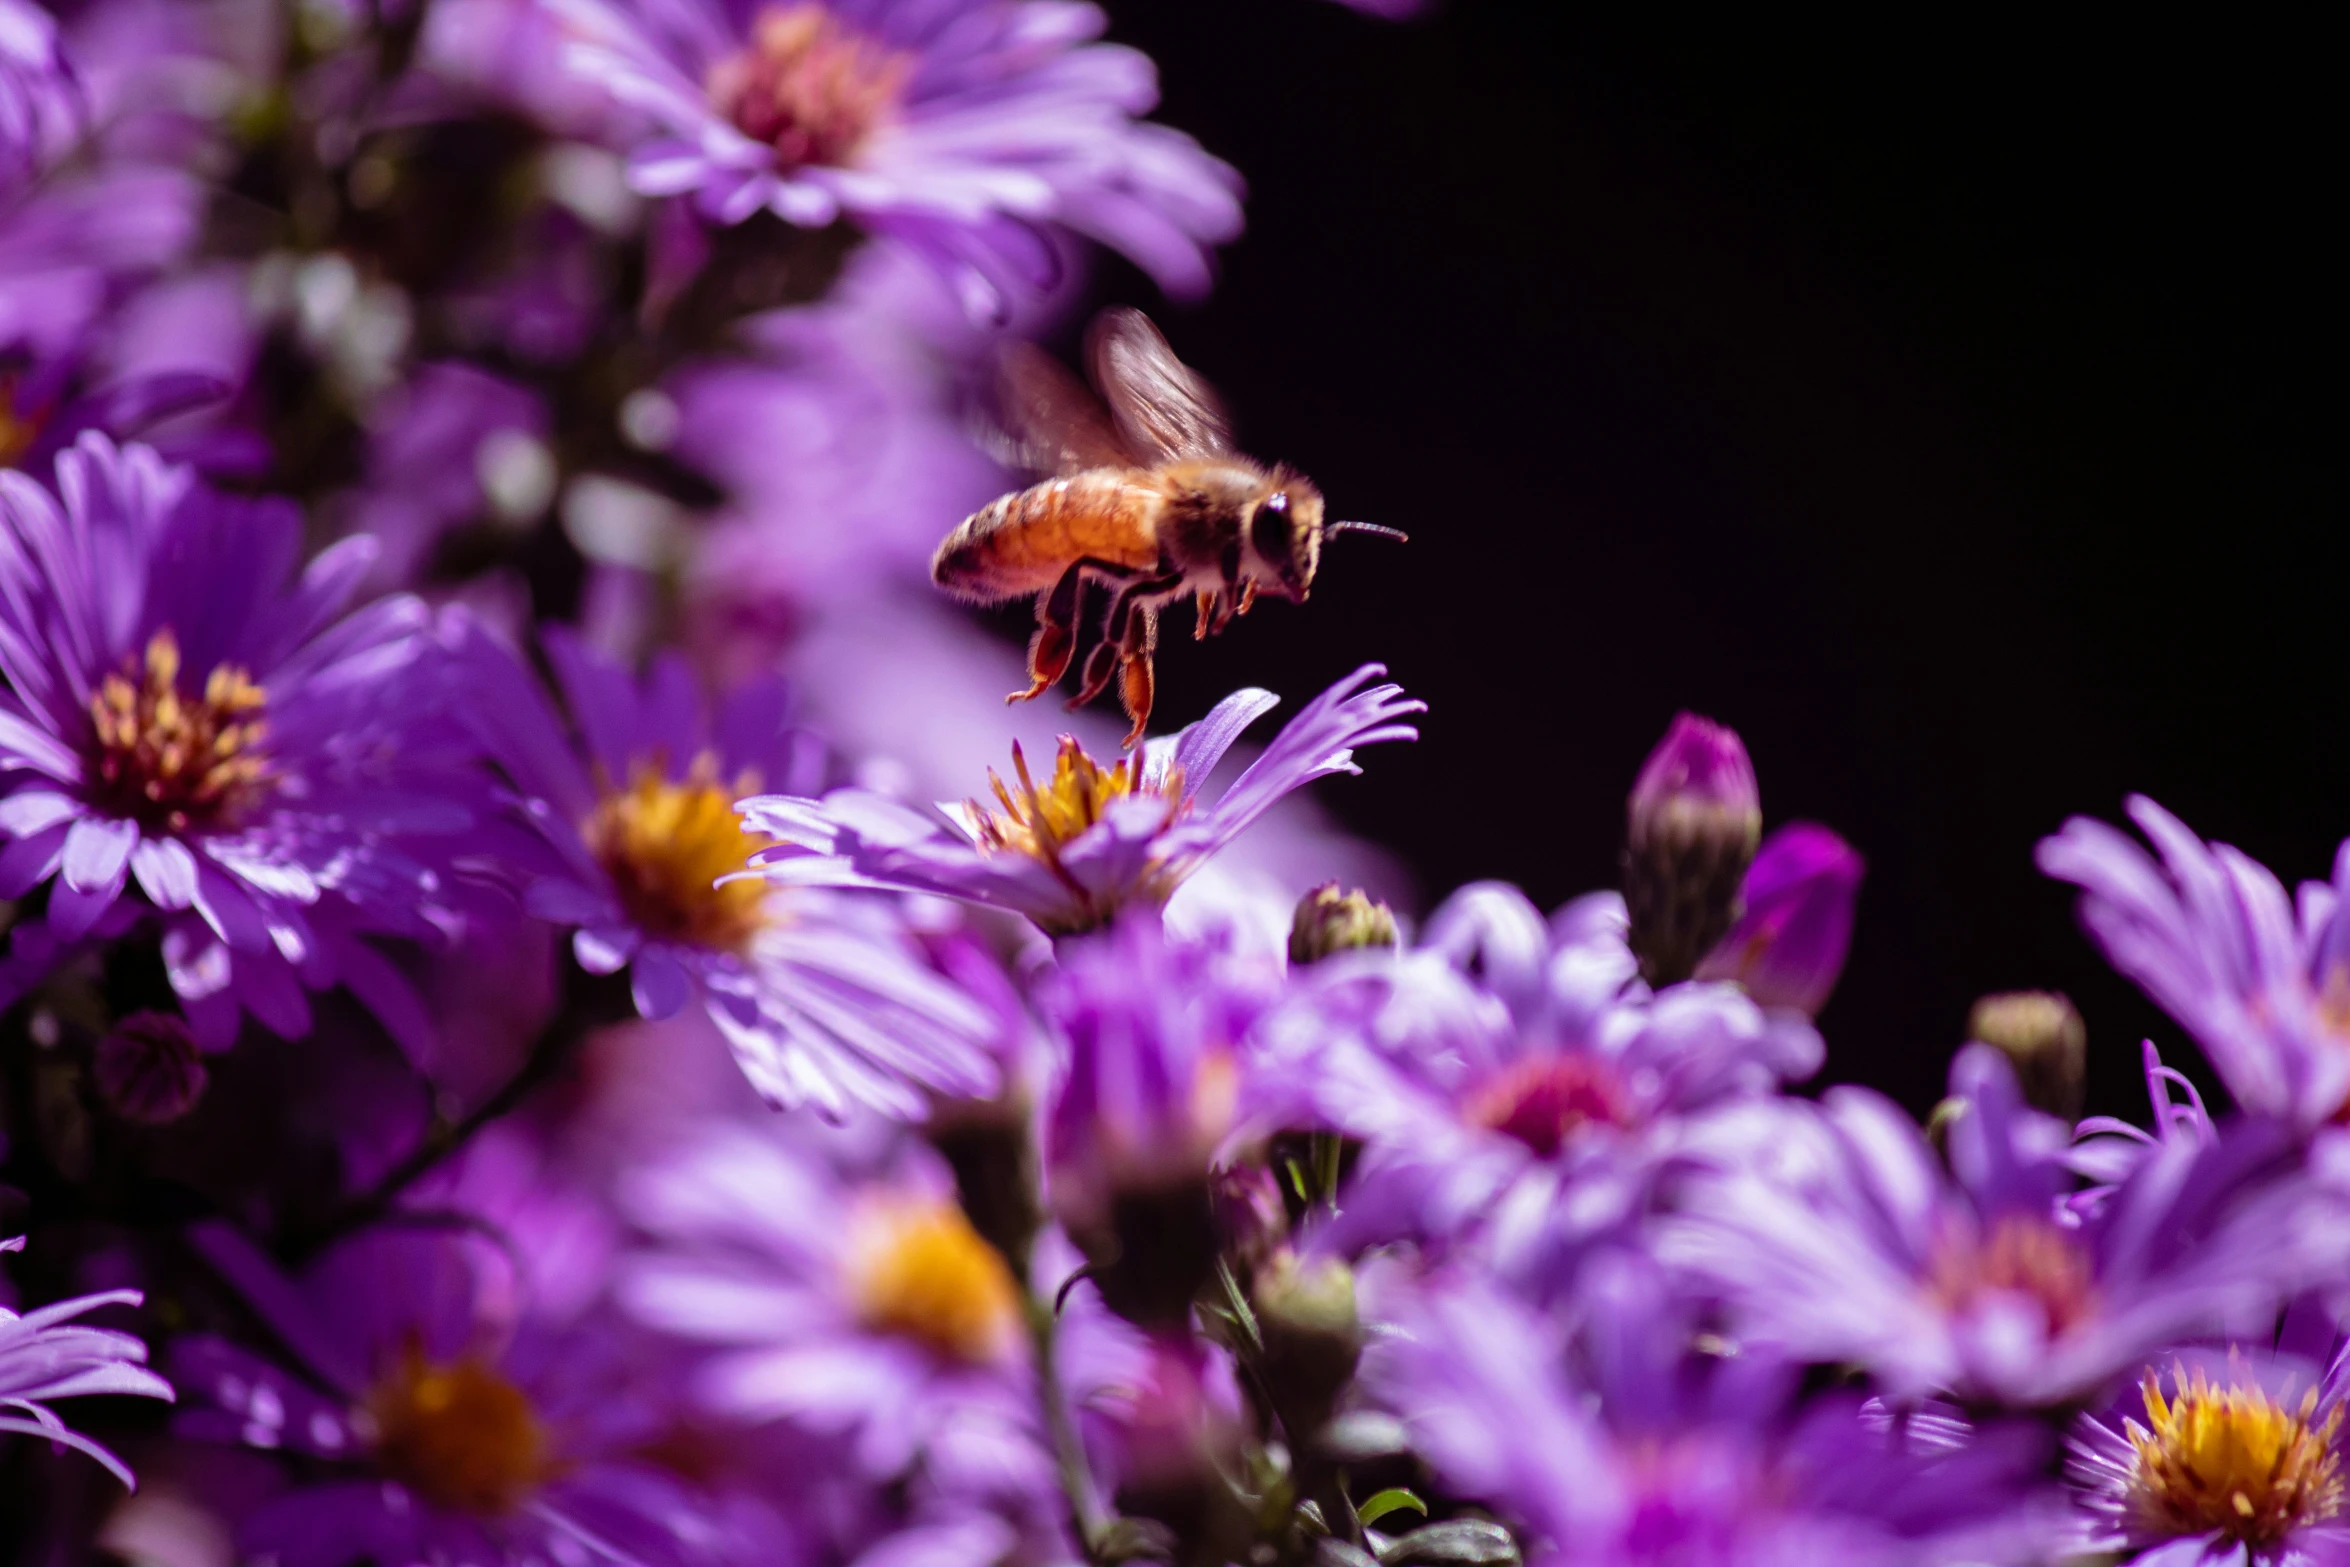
(1250, 1213)
(1180, 1440)
(1312, 1336)
(1329, 922)
(2042, 1034)
(147, 1069)
(1788, 944)
(1691, 827)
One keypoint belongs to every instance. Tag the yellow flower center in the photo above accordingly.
(2022, 1255)
(1038, 821)
(665, 842)
(170, 761)
(2232, 1460)
(807, 85)
(459, 1435)
(921, 1271)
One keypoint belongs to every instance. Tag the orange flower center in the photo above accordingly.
(2022, 1255)
(171, 761)
(1037, 821)
(665, 843)
(919, 1270)
(459, 1435)
(1546, 1100)
(19, 427)
(2232, 1461)
(807, 85)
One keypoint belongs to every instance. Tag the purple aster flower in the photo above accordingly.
(1620, 1443)
(2211, 1459)
(823, 996)
(2212, 936)
(865, 1311)
(45, 1355)
(1840, 1239)
(2106, 1148)
(1787, 946)
(1073, 851)
(183, 717)
(1531, 1105)
(436, 1421)
(966, 131)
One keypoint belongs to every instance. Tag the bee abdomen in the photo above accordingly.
(1020, 543)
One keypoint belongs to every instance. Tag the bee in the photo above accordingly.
(1148, 497)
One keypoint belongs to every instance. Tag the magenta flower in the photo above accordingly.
(823, 997)
(261, 766)
(44, 1355)
(1838, 1239)
(1788, 945)
(1073, 851)
(2213, 937)
(967, 131)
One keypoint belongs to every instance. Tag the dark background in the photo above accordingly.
(1956, 414)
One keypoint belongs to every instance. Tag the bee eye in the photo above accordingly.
(1269, 530)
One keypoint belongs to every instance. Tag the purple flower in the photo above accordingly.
(44, 1356)
(2210, 1459)
(823, 997)
(1839, 1239)
(2211, 935)
(40, 107)
(1529, 1106)
(434, 1422)
(2106, 1149)
(1073, 851)
(452, 445)
(1698, 770)
(182, 716)
(1619, 1444)
(1788, 944)
(863, 1311)
(1150, 1083)
(966, 131)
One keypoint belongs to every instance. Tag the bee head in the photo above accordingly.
(1285, 536)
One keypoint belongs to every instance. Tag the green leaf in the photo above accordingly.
(1392, 1500)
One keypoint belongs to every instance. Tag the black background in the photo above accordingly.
(1956, 414)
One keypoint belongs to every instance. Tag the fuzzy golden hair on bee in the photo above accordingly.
(1145, 497)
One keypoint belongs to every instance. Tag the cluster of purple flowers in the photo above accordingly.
(490, 1006)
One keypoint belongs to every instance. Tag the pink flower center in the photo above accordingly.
(808, 86)
(2022, 1254)
(1544, 1101)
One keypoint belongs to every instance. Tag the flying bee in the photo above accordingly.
(1148, 496)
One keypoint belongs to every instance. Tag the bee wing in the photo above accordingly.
(1162, 411)
(1055, 425)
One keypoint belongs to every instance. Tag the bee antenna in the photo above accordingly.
(1396, 534)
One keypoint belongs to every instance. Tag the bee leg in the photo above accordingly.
(1055, 641)
(1103, 662)
(1208, 608)
(1138, 680)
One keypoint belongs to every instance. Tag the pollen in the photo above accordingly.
(2023, 1254)
(921, 1271)
(808, 85)
(172, 760)
(458, 1434)
(1545, 1100)
(2232, 1461)
(1039, 821)
(666, 842)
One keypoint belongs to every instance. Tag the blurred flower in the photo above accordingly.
(1787, 946)
(964, 131)
(43, 1356)
(1691, 825)
(1841, 1240)
(183, 716)
(823, 997)
(1624, 1445)
(2211, 935)
(1529, 1107)
(863, 1311)
(2209, 1462)
(1073, 851)
(40, 108)
(451, 445)
(147, 1068)
(432, 1421)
